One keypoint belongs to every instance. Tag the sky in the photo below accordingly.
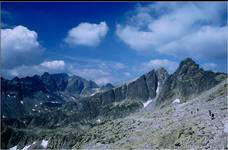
(111, 42)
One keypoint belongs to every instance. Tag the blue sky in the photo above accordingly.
(111, 42)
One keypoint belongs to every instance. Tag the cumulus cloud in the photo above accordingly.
(19, 46)
(53, 65)
(177, 29)
(100, 71)
(100, 76)
(209, 42)
(171, 66)
(87, 34)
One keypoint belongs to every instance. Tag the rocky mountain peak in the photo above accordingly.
(188, 67)
(45, 74)
(106, 87)
(188, 60)
(188, 81)
(15, 79)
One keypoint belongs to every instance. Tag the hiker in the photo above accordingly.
(209, 112)
(212, 116)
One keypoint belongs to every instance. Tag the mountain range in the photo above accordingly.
(62, 111)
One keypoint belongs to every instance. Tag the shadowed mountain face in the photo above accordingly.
(73, 105)
(24, 96)
(187, 81)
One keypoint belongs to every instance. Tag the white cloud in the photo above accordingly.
(56, 64)
(177, 29)
(101, 72)
(171, 66)
(87, 34)
(19, 46)
(98, 74)
(209, 42)
(103, 80)
(210, 66)
(139, 40)
(127, 73)
(119, 65)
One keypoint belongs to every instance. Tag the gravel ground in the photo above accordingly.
(200, 123)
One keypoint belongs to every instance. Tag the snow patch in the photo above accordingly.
(41, 103)
(48, 96)
(26, 147)
(226, 127)
(225, 122)
(3, 116)
(96, 90)
(72, 97)
(33, 110)
(44, 143)
(145, 104)
(36, 105)
(13, 148)
(176, 101)
(21, 102)
(8, 95)
(34, 143)
(98, 120)
(158, 88)
(92, 94)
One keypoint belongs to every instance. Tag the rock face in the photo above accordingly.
(78, 85)
(138, 89)
(120, 93)
(141, 89)
(162, 75)
(188, 81)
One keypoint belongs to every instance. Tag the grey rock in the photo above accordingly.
(152, 83)
(138, 89)
(120, 93)
(108, 97)
(162, 75)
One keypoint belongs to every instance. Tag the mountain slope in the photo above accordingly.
(185, 125)
(188, 81)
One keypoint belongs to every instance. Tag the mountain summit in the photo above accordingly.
(188, 81)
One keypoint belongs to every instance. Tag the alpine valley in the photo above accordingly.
(183, 110)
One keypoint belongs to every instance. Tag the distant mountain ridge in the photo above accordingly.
(187, 81)
(20, 96)
(50, 83)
